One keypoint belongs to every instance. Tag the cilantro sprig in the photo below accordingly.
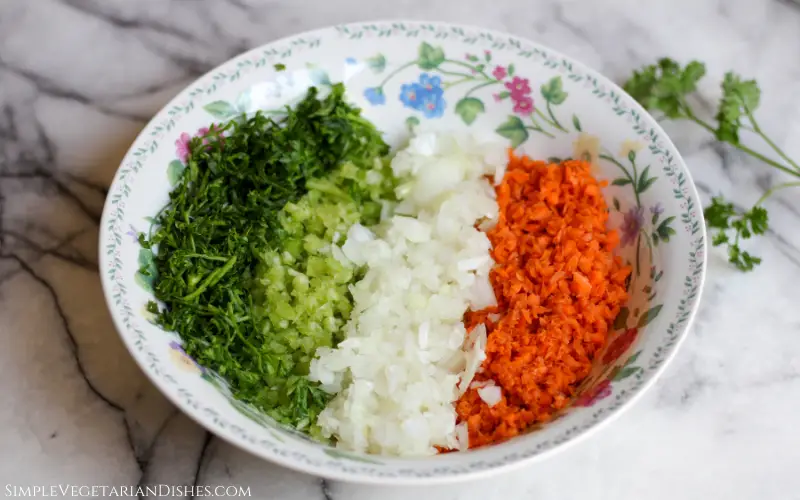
(665, 87)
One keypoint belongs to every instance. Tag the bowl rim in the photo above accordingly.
(400, 480)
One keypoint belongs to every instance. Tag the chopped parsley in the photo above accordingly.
(242, 270)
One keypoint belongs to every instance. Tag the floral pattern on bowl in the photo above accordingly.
(424, 74)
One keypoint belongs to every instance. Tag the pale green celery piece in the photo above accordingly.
(301, 288)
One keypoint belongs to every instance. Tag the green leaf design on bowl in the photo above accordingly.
(145, 282)
(377, 63)
(576, 123)
(644, 181)
(147, 272)
(553, 91)
(622, 319)
(469, 108)
(174, 171)
(220, 109)
(664, 231)
(625, 373)
(514, 130)
(649, 316)
(430, 57)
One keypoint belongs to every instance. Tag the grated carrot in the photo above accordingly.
(558, 290)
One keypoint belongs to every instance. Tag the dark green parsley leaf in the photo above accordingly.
(742, 260)
(739, 98)
(723, 217)
(719, 239)
(719, 213)
(758, 220)
(664, 86)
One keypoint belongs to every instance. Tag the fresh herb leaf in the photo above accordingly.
(724, 218)
(664, 86)
(719, 213)
(739, 99)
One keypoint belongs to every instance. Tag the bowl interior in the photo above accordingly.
(407, 75)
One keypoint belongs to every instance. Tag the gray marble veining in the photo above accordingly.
(79, 79)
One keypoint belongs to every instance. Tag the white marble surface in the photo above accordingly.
(78, 80)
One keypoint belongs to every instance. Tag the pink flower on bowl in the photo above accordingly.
(523, 106)
(499, 72)
(182, 147)
(519, 87)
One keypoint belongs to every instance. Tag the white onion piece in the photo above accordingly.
(491, 394)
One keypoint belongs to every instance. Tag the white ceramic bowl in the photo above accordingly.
(542, 102)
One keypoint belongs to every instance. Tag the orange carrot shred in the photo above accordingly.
(558, 289)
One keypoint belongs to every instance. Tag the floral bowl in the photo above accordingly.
(408, 74)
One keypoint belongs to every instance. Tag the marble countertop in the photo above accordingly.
(79, 79)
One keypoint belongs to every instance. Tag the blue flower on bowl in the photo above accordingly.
(375, 96)
(431, 83)
(432, 106)
(426, 95)
(409, 95)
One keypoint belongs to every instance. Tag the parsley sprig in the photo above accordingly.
(665, 87)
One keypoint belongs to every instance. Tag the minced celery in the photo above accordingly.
(301, 290)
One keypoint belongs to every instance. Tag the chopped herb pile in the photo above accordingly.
(243, 263)
(665, 87)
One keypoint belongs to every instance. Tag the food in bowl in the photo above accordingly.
(468, 80)
(445, 296)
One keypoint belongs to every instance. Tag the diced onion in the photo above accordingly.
(491, 394)
(407, 356)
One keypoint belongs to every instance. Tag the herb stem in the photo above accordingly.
(207, 257)
(773, 189)
(743, 148)
(691, 116)
(211, 279)
(757, 130)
